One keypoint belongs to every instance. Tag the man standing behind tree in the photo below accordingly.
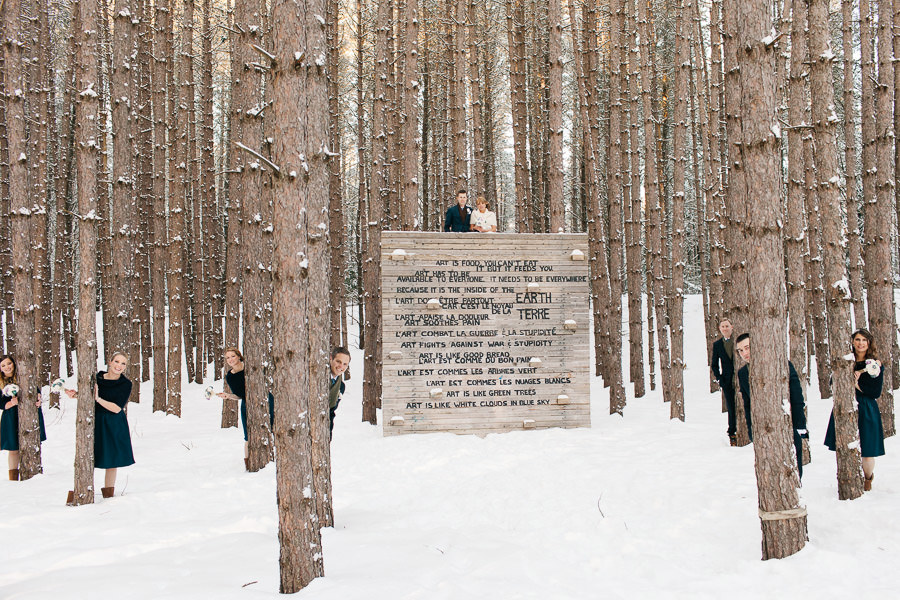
(722, 364)
(458, 215)
(340, 360)
(798, 404)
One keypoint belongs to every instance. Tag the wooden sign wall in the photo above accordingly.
(484, 332)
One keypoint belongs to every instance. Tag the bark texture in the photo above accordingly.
(300, 266)
(783, 522)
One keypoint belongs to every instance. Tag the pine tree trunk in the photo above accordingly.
(36, 99)
(716, 184)
(54, 247)
(867, 134)
(20, 231)
(676, 316)
(490, 155)
(64, 186)
(212, 224)
(86, 130)
(515, 24)
(736, 291)
(851, 161)
(615, 184)
(380, 189)
(410, 167)
(160, 200)
(879, 278)
(838, 299)
(242, 99)
(460, 137)
(555, 129)
(635, 250)
(6, 299)
(590, 124)
(783, 521)
(815, 283)
(175, 232)
(192, 246)
(794, 229)
(361, 210)
(123, 202)
(141, 286)
(652, 193)
(300, 116)
(104, 241)
(257, 283)
(476, 36)
(702, 182)
(335, 190)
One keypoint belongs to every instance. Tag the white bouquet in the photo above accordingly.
(11, 390)
(57, 386)
(209, 392)
(872, 367)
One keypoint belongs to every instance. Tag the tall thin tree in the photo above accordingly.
(86, 132)
(300, 116)
(783, 521)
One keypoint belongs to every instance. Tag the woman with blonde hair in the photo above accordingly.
(482, 219)
(112, 436)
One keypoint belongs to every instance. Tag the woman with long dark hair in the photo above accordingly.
(234, 377)
(869, 378)
(9, 420)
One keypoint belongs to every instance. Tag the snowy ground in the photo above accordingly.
(634, 507)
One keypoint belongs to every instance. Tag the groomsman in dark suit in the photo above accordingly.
(458, 215)
(722, 365)
(795, 389)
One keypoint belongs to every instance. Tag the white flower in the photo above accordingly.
(57, 385)
(208, 392)
(872, 367)
(11, 390)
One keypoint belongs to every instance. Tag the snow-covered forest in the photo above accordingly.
(212, 179)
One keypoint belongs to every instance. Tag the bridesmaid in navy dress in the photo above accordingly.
(234, 377)
(9, 419)
(112, 437)
(869, 380)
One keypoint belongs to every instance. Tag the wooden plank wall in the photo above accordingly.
(485, 332)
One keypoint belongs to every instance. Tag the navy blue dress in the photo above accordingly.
(112, 438)
(9, 425)
(237, 384)
(871, 431)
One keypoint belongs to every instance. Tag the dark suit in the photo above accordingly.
(798, 414)
(335, 391)
(456, 220)
(723, 370)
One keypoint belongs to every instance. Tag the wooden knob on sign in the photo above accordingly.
(528, 423)
(535, 362)
(534, 286)
(436, 393)
(395, 355)
(433, 304)
(397, 421)
(577, 255)
(570, 325)
(398, 254)
(562, 399)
